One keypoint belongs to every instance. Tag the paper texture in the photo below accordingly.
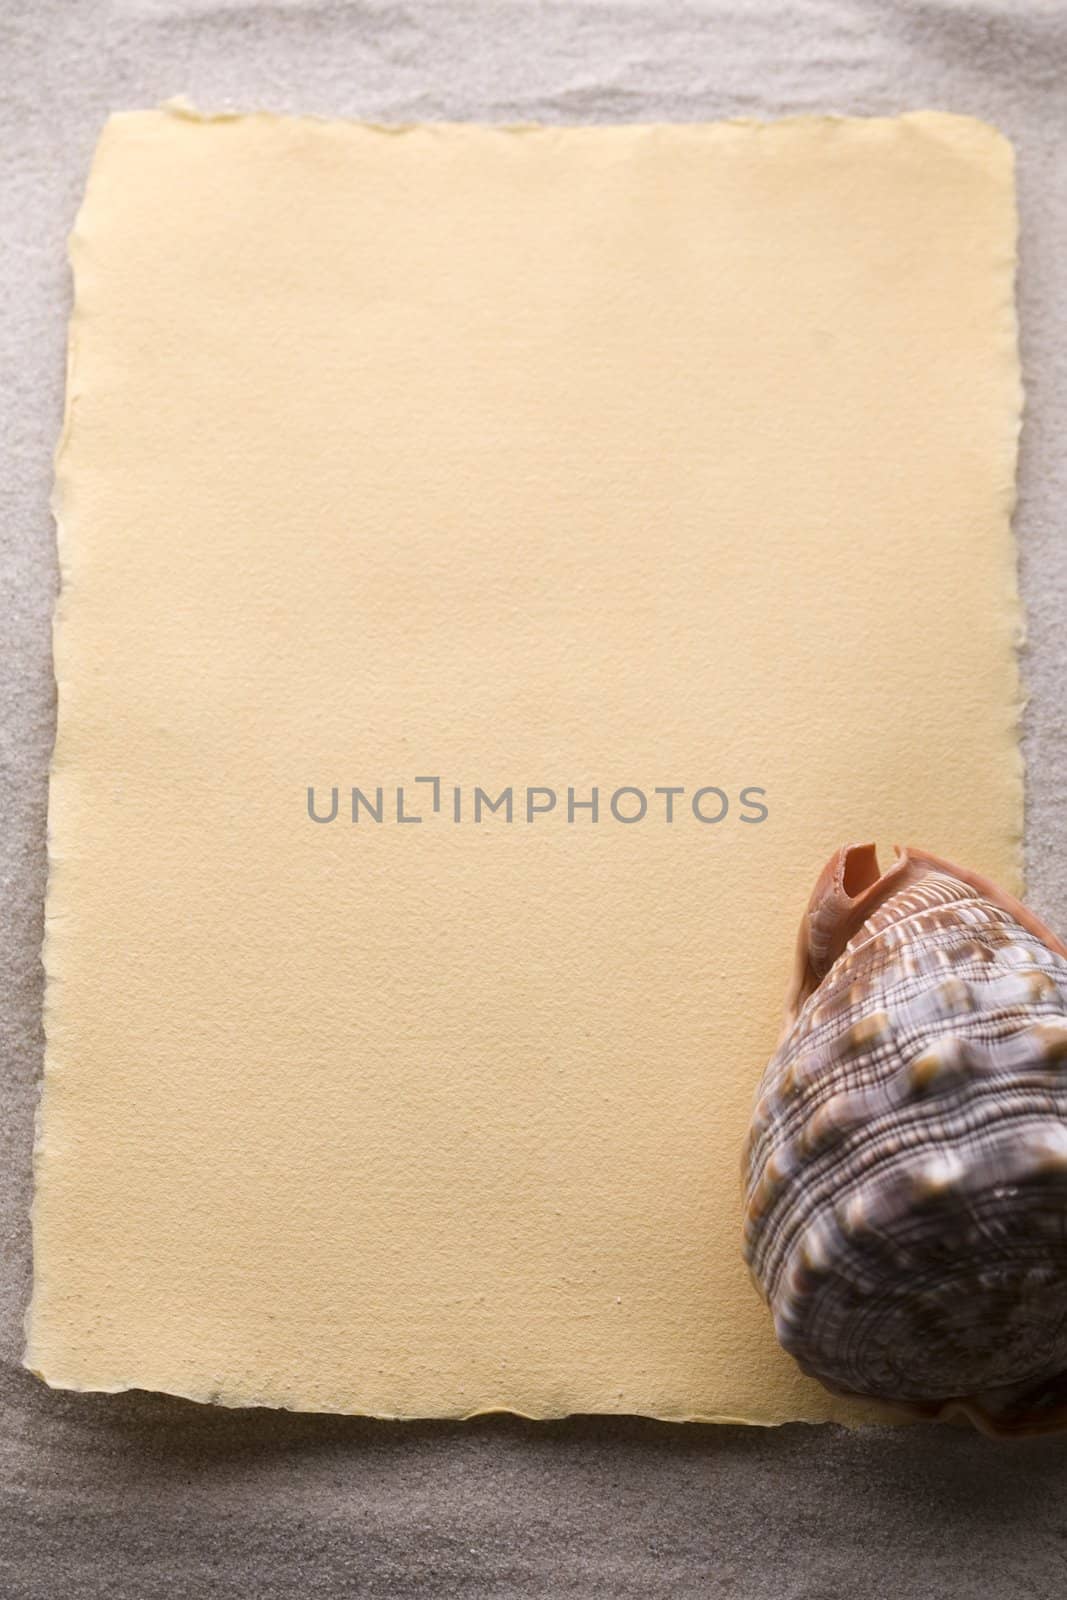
(529, 460)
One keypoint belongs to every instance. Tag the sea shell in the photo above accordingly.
(906, 1169)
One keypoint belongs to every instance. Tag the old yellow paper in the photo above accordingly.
(491, 473)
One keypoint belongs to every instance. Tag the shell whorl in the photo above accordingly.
(906, 1168)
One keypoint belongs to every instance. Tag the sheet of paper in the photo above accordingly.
(535, 462)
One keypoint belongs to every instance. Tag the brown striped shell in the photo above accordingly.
(906, 1169)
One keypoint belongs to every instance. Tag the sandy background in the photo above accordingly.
(138, 1496)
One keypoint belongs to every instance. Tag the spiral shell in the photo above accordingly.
(906, 1169)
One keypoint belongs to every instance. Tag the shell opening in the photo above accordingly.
(860, 869)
